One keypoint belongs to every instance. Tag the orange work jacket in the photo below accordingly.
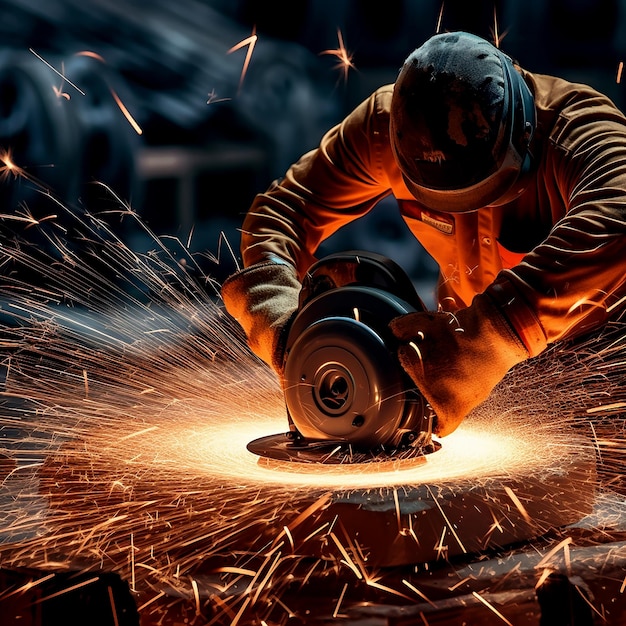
(554, 259)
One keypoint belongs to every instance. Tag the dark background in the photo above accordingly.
(210, 140)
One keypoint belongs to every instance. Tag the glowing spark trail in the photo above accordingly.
(126, 112)
(69, 82)
(250, 42)
(345, 58)
(127, 403)
(491, 607)
(439, 18)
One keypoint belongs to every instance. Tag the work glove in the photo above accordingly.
(457, 359)
(263, 298)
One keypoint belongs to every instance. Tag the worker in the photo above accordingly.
(515, 184)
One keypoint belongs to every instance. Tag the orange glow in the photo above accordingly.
(8, 167)
(250, 42)
(90, 54)
(126, 113)
(439, 18)
(343, 56)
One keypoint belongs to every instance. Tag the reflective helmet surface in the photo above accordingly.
(462, 118)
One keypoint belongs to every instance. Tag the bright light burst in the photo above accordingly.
(344, 58)
(129, 399)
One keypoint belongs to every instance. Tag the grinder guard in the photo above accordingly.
(342, 381)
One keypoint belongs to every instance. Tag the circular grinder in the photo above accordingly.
(348, 398)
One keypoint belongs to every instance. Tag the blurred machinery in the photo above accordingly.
(217, 124)
(208, 115)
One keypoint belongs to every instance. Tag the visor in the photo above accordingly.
(466, 180)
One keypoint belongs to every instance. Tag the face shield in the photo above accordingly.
(461, 122)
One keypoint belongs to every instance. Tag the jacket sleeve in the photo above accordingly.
(575, 279)
(328, 187)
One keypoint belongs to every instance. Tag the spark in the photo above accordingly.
(270, 571)
(397, 505)
(131, 120)
(620, 69)
(415, 590)
(240, 612)
(458, 584)
(84, 583)
(113, 608)
(588, 602)
(213, 99)
(441, 548)
(606, 408)
(92, 55)
(439, 18)
(349, 562)
(250, 42)
(289, 537)
(343, 56)
(139, 433)
(491, 607)
(339, 601)
(8, 167)
(28, 586)
(616, 305)
(157, 451)
(517, 502)
(596, 442)
(196, 595)
(562, 545)
(386, 589)
(581, 302)
(496, 37)
(69, 82)
(126, 112)
(60, 94)
(542, 579)
(415, 347)
(495, 31)
(133, 585)
(450, 526)
(496, 524)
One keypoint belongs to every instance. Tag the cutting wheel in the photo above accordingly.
(282, 448)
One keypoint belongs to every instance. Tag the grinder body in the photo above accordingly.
(342, 381)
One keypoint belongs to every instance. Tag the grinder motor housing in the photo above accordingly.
(342, 380)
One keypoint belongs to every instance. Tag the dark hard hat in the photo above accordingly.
(462, 118)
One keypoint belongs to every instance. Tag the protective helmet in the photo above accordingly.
(462, 119)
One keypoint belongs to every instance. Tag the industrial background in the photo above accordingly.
(158, 106)
(211, 136)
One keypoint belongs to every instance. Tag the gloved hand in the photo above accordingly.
(457, 359)
(263, 298)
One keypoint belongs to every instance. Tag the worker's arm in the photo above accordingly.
(571, 283)
(328, 187)
(575, 280)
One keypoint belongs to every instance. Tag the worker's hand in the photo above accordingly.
(263, 298)
(456, 360)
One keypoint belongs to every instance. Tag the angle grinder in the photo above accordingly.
(348, 398)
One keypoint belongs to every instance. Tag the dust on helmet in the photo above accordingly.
(462, 119)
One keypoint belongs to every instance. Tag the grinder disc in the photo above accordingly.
(282, 447)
